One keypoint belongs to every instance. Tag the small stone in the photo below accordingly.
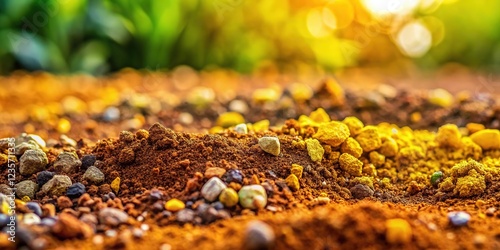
(458, 219)
(361, 191)
(64, 202)
(111, 114)
(48, 210)
(487, 139)
(93, 175)
(351, 164)
(300, 92)
(214, 172)
(228, 197)
(212, 189)
(207, 213)
(292, 182)
(185, 118)
(491, 211)
(297, 170)
(436, 178)
(68, 227)
(4, 189)
(32, 161)
(115, 185)
(259, 236)
(76, 190)
(67, 162)
(233, 175)
(270, 145)
(449, 136)
(26, 188)
(66, 141)
(389, 147)
(185, 215)
(31, 219)
(474, 127)
(369, 138)
(480, 240)
(352, 147)
(398, 231)
(239, 106)
(174, 205)
(440, 97)
(87, 161)
(314, 149)
(319, 115)
(354, 124)
(57, 185)
(112, 216)
(332, 133)
(241, 128)
(22, 147)
(43, 177)
(218, 205)
(229, 119)
(34, 207)
(253, 197)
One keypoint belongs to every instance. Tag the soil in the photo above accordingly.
(154, 149)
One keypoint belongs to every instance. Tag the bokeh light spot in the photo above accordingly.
(414, 39)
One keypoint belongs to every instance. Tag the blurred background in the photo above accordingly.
(102, 36)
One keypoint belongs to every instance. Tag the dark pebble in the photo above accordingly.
(258, 236)
(105, 197)
(233, 175)
(43, 177)
(112, 195)
(166, 214)
(185, 215)
(189, 204)
(218, 205)
(361, 191)
(155, 195)
(207, 213)
(87, 161)
(158, 207)
(34, 207)
(4, 220)
(76, 190)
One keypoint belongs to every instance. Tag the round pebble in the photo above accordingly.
(111, 114)
(241, 128)
(43, 177)
(228, 197)
(87, 161)
(207, 213)
(76, 190)
(31, 219)
(270, 145)
(252, 197)
(34, 207)
(32, 161)
(67, 162)
(361, 191)
(398, 231)
(259, 236)
(26, 188)
(185, 215)
(233, 175)
(458, 219)
(112, 216)
(57, 185)
(22, 147)
(212, 189)
(174, 205)
(93, 175)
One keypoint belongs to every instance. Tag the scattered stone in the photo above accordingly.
(68, 227)
(361, 191)
(115, 185)
(212, 189)
(67, 162)
(111, 114)
(228, 197)
(449, 136)
(112, 216)
(241, 128)
(57, 185)
(66, 141)
(491, 211)
(4, 189)
(332, 133)
(319, 116)
(31, 219)
(389, 147)
(214, 172)
(354, 125)
(185, 215)
(22, 147)
(229, 119)
(93, 175)
(458, 219)
(292, 182)
(258, 236)
(64, 202)
(33, 161)
(34, 207)
(369, 139)
(270, 145)
(300, 92)
(76, 190)
(43, 177)
(185, 118)
(487, 139)
(314, 149)
(207, 213)
(174, 205)
(440, 97)
(233, 175)
(351, 164)
(352, 147)
(26, 188)
(87, 161)
(473, 127)
(297, 170)
(398, 231)
(253, 197)
(48, 210)
(239, 106)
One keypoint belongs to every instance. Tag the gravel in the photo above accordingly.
(87, 161)
(459, 219)
(93, 175)
(32, 161)
(34, 207)
(270, 145)
(76, 190)
(112, 216)
(57, 185)
(361, 191)
(43, 177)
(67, 162)
(211, 190)
(26, 188)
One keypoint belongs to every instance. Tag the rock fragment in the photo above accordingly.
(270, 145)
(57, 185)
(67, 162)
(212, 189)
(258, 236)
(32, 161)
(93, 175)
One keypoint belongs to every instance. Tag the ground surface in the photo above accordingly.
(178, 139)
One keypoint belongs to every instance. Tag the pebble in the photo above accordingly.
(87, 161)
(137, 233)
(212, 189)
(64, 202)
(66, 141)
(487, 138)
(57, 185)
(270, 145)
(292, 182)
(76, 190)
(436, 178)
(207, 213)
(112, 216)
(115, 184)
(350, 164)
(111, 114)
(67, 162)
(300, 92)
(239, 106)
(185, 215)
(186, 118)
(4, 220)
(398, 231)
(361, 191)
(297, 170)
(458, 219)
(332, 133)
(43, 177)
(314, 149)
(214, 172)
(252, 197)
(22, 147)
(48, 209)
(241, 128)
(229, 119)
(174, 205)
(4, 189)
(233, 175)
(93, 175)
(440, 97)
(258, 236)
(32, 161)
(26, 188)
(68, 226)
(491, 211)
(34, 207)
(448, 135)
(31, 219)
(229, 197)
